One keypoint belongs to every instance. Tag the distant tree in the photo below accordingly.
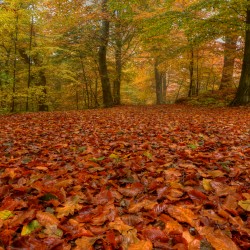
(229, 58)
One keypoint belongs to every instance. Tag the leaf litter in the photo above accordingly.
(156, 177)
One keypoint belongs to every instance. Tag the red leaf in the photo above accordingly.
(132, 190)
(154, 234)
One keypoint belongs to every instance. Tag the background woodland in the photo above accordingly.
(77, 54)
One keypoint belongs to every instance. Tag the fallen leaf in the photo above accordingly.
(245, 204)
(206, 184)
(183, 215)
(218, 239)
(5, 214)
(119, 225)
(141, 245)
(69, 207)
(32, 226)
(85, 243)
(46, 219)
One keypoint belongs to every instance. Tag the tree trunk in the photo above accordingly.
(197, 90)
(102, 56)
(229, 57)
(87, 102)
(158, 83)
(243, 92)
(164, 87)
(15, 63)
(118, 69)
(191, 91)
(42, 106)
(29, 61)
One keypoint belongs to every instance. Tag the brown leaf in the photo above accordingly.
(217, 238)
(132, 190)
(141, 245)
(154, 234)
(222, 189)
(45, 218)
(103, 197)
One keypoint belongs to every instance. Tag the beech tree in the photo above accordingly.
(229, 58)
(243, 93)
(102, 56)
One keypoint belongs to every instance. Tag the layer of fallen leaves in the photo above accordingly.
(158, 177)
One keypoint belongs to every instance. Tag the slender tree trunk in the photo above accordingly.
(96, 93)
(209, 76)
(164, 87)
(102, 56)
(29, 61)
(85, 82)
(229, 57)
(15, 64)
(197, 75)
(158, 82)
(96, 90)
(77, 98)
(191, 74)
(179, 89)
(42, 106)
(118, 67)
(243, 92)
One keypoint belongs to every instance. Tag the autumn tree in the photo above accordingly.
(102, 55)
(229, 58)
(123, 32)
(243, 93)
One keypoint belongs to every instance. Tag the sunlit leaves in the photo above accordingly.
(5, 214)
(245, 204)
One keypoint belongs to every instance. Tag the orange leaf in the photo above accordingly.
(183, 215)
(141, 245)
(119, 225)
(85, 243)
(171, 225)
(217, 238)
(146, 204)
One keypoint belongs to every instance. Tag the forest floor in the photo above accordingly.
(155, 177)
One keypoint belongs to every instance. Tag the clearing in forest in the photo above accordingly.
(156, 177)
